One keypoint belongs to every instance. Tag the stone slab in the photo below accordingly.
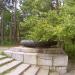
(43, 72)
(30, 58)
(24, 49)
(9, 53)
(18, 56)
(20, 69)
(60, 60)
(44, 62)
(44, 59)
(9, 66)
(45, 56)
(5, 60)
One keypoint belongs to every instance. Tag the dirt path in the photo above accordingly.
(4, 48)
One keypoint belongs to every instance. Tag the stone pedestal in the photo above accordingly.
(54, 58)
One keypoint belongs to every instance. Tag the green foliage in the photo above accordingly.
(41, 31)
(1, 52)
(42, 28)
(36, 6)
(7, 16)
(48, 24)
(70, 49)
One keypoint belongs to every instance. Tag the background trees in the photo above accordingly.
(9, 26)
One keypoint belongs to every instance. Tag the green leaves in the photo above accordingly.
(42, 31)
(36, 6)
(44, 24)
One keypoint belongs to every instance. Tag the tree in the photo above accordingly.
(62, 23)
(36, 22)
(1, 21)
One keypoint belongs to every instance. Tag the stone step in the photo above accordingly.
(43, 72)
(6, 60)
(19, 70)
(2, 56)
(32, 70)
(9, 66)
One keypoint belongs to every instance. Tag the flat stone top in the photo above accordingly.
(42, 54)
(22, 48)
(37, 50)
(39, 54)
(7, 51)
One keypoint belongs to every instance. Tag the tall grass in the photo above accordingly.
(70, 49)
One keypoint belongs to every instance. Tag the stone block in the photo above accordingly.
(44, 59)
(18, 56)
(60, 60)
(45, 56)
(44, 62)
(30, 58)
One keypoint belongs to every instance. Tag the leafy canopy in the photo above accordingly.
(43, 24)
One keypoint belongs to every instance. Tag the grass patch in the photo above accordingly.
(1, 52)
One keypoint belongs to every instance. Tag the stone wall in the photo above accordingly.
(54, 62)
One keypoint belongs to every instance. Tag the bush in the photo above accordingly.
(42, 28)
(69, 48)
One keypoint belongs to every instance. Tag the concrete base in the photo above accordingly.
(53, 61)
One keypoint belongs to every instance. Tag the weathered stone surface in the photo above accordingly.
(17, 71)
(32, 71)
(30, 58)
(18, 56)
(53, 50)
(45, 56)
(6, 60)
(29, 50)
(9, 66)
(60, 60)
(44, 59)
(44, 62)
(9, 53)
(24, 49)
(43, 72)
